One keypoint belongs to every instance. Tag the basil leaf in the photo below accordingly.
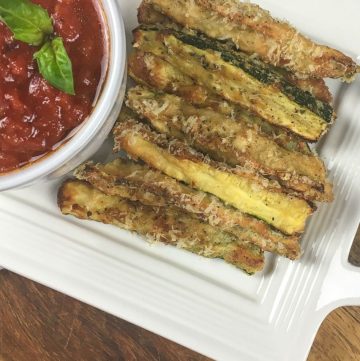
(55, 65)
(29, 22)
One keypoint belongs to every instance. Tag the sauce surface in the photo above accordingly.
(34, 116)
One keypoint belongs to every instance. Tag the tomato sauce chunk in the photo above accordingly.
(34, 116)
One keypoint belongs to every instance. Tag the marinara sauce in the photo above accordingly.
(34, 116)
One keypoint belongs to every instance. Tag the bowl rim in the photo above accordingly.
(71, 146)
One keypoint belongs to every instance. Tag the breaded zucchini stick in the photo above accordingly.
(256, 196)
(147, 15)
(240, 79)
(150, 70)
(112, 178)
(253, 30)
(230, 141)
(170, 225)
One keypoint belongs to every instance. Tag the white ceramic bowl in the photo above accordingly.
(86, 139)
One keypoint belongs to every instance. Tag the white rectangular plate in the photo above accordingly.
(203, 304)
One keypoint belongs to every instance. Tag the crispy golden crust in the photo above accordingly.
(152, 71)
(111, 179)
(230, 141)
(258, 198)
(170, 225)
(253, 30)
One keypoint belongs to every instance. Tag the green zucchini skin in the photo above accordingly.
(256, 68)
(232, 83)
(260, 71)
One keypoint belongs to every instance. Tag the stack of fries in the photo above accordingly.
(217, 133)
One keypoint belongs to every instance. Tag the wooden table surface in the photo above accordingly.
(39, 324)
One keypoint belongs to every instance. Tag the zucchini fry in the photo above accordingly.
(230, 141)
(170, 225)
(150, 70)
(147, 15)
(253, 30)
(113, 177)
(240, 79)
(235, 186)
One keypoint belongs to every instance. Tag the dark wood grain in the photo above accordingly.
(339, 336)
(39, 324)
